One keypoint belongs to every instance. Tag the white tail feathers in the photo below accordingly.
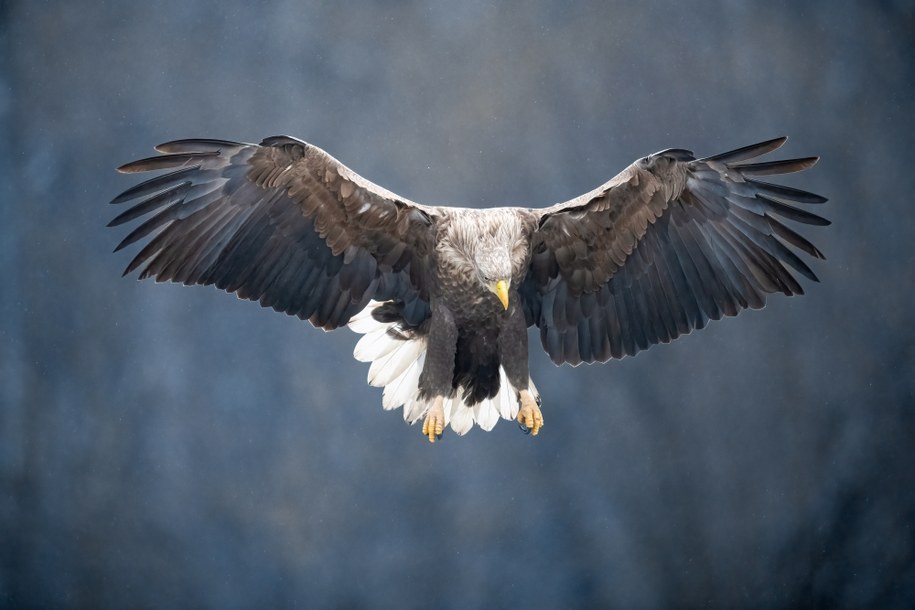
(397, 364)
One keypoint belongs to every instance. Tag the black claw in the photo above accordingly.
(438, 437)
(524, 428)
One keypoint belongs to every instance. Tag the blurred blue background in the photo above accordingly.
(163, 446)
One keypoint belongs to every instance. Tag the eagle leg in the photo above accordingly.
(434, 424)
(529, 415)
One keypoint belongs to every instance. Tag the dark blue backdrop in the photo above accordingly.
(162, 446)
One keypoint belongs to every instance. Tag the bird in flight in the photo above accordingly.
(444, 296)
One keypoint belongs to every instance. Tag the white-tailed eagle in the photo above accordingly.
(444, 296)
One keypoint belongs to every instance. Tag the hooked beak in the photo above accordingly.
(500, 289)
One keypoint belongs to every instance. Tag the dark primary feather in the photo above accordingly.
(283, 223)
(668, 244)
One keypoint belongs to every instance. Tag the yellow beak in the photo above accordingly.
(501, 290)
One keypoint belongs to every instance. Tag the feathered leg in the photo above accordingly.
(435, 381)
(514, 361)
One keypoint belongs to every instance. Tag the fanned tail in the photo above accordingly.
(396, 363)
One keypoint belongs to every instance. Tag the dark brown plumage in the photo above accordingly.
(446, 294)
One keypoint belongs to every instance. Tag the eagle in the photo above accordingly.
(444, 296)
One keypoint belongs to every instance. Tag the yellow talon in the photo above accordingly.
(529, 414)
(434, 424)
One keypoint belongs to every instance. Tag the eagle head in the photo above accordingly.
(488, 246)
(494, 270)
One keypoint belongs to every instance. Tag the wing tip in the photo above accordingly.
(775, 143)
(127, 168)
(196, 144)
(748, 152)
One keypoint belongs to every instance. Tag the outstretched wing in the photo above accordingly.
(663, 247)
(282, 223)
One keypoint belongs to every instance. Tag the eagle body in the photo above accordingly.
(444, 296)
(494, 243)
(463, 340)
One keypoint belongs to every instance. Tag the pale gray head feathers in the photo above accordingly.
(487, 245)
